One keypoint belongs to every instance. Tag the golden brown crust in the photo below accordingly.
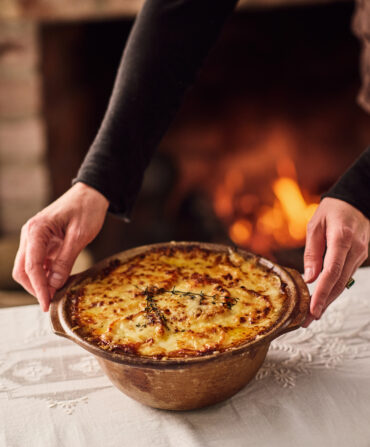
(175, 302)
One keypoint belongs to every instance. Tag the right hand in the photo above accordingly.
(51, 240)
(342, 233)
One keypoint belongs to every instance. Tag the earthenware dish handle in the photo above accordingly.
(301, 310)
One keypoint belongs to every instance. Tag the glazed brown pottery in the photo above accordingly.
(193, 382)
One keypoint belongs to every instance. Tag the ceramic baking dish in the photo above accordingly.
(193, 382)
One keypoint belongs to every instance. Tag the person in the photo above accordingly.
(164, 52)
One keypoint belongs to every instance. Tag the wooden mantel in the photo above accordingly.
(60, 10)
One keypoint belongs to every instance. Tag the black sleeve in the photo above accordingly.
(354, 185)
(166, 47)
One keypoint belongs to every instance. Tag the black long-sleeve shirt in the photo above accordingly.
(354, 185)
(167, 45)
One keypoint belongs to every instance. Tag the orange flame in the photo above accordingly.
(288, 218)
(297, 212)
(281, 224)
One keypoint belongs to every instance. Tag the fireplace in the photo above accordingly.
(271, 122)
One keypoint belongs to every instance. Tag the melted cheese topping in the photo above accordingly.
(177, 302)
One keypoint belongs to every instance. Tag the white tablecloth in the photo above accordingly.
(313, 390)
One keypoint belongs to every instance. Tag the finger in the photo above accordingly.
(62, 265)
(54, 245)
(51, 292)
(308, 321)
(338, 245)
(314, 251)
(47, 267)
(23, 278)
(34, 260)
(19, 273)
(353, 262)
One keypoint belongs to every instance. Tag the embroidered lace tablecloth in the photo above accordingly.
(313, 390)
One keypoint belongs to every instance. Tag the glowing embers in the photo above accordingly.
(241, 231)
(263, 227)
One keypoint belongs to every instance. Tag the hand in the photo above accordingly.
(344, 231)
(51, 240)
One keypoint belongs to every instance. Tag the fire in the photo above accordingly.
(240, 231)
(288, 217)
(263, 227)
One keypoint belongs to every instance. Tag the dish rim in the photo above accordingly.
(294, 314)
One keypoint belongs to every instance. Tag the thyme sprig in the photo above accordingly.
(151, 306)
(229, 303)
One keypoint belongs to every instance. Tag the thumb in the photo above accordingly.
(62, 265)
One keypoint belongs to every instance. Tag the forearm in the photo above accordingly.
(164, 52)
(354, 185)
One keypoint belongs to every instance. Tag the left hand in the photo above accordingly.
(344, 231)
(52, 239)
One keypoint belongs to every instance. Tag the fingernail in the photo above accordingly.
(308, 274)
(308, 321)
(318, 311)
(51, 292)
(55, 279)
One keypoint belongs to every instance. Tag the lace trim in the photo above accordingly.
(329, 343)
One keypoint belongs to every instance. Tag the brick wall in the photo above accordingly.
(23, 174)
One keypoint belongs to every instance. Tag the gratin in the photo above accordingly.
(175, 302)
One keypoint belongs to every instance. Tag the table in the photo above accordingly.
(313, 390)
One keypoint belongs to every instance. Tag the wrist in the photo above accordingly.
(87, 192)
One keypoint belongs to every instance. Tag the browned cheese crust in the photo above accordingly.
(177, 302)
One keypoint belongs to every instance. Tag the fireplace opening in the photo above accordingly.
(270, 124)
